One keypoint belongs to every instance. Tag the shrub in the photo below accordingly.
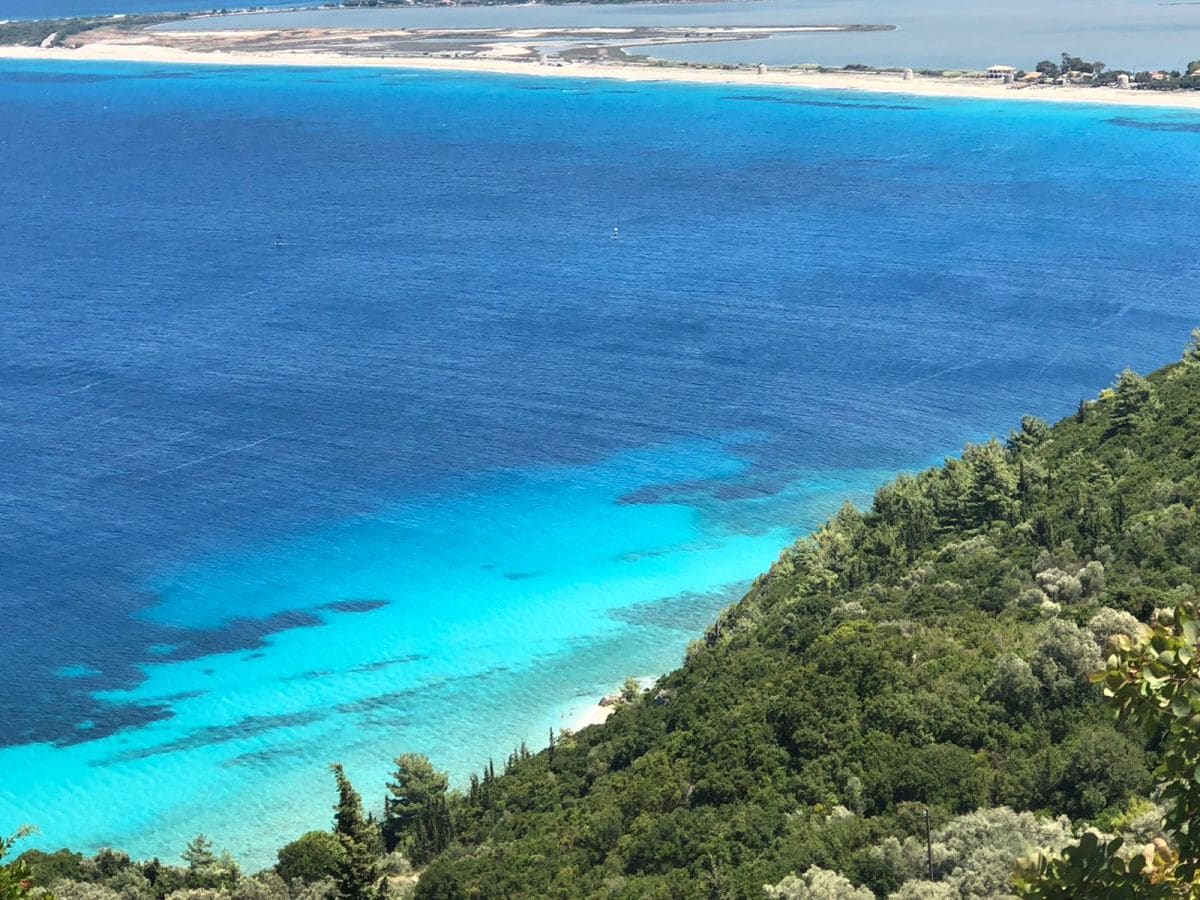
(310, 858)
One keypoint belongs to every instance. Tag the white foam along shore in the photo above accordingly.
(872, 82)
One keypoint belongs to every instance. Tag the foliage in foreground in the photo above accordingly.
(15, 878)
(1153, 679)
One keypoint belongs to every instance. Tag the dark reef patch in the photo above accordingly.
(355, 606)
(666, 493)
(218, 734)
(1191, 127)
(521, 576)
(166, 75)
(55, 78)
(388, 663)
(310, 674)
(690, 611)
(690, 492)
(373, 666)
(632, 556)
(102, 720)
(181, 696)
(827, 104)
(392, 699)
(257, 757)
(237, 634)
(747, 490)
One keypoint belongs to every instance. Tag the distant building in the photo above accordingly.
(908, 75)
(1123, 81)
(762, 70)
(1001, 73)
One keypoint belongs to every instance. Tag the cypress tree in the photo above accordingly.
(360, 837)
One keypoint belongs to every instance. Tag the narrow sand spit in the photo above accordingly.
(137, 49)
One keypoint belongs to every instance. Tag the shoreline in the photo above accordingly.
(599, 708)
(596, 714)
(871, 83)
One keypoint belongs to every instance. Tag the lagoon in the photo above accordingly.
(1133, 34)
(56, 9)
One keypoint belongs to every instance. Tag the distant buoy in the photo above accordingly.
(616, 232)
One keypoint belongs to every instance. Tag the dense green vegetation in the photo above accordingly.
(934, 649)
(1152, 678)
(904, 706)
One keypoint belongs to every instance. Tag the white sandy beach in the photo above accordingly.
(596, 711)
(963, 88)
(594, 715)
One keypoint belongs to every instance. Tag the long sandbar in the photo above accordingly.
(884, 82)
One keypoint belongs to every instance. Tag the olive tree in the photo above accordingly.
(1153, 680)
(817, 884)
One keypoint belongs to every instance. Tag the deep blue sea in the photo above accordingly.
(335, 423)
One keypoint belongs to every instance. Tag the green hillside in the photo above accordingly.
(900, 708)
(932, 650)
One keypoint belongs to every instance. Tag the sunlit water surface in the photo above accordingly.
(335, 423)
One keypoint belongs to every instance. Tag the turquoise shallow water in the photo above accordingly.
(337, 425)
(511, 604)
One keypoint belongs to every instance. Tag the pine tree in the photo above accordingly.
(199, 852)
(1133, 399)
(416, 815)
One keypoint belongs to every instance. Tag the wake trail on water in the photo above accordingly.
(226, 452)
(142, 450)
